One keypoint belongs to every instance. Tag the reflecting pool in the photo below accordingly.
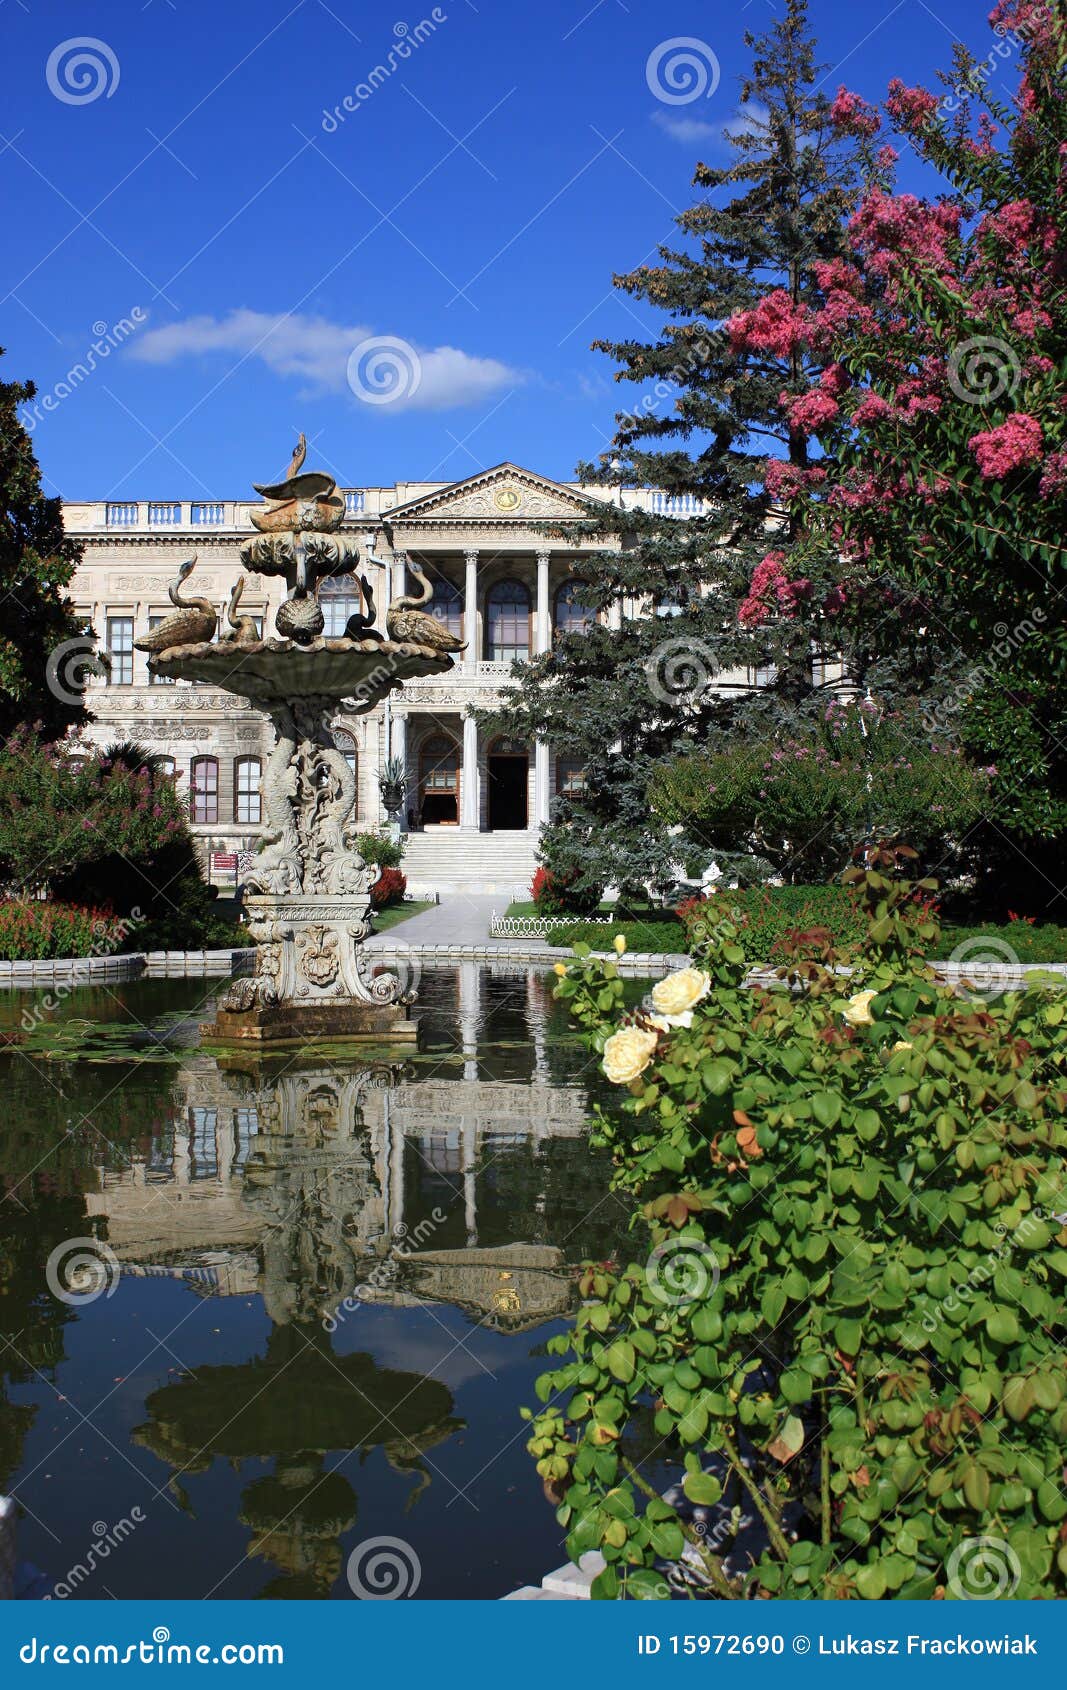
(258, 1313)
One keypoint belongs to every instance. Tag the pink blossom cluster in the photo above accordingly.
(777, 325)
(770, 589)
(851, 115)
(910, 108)
(1015, 442)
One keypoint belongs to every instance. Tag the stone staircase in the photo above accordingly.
(444, 859)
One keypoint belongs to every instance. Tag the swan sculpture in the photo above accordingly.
(360, 625)
(405, 621)
(244, 631)
(194, 620)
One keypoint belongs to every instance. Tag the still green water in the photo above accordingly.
(308, 1299)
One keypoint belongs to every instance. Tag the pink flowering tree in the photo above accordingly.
(939, 424)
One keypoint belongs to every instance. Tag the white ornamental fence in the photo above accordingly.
(540, 926)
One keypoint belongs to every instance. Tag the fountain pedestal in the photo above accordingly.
(308, 890)
(313, 978)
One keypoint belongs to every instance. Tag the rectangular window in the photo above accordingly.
(204, 790)
(203, 1127)
(246, 799)
(120, 650)
(158, 680)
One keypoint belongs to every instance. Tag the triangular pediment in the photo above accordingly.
(504, 493)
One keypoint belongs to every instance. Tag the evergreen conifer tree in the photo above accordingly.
(712, 414)
(37, 561)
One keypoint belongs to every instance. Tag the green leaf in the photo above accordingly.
(826, 1107)
(702, 1488)
(620, 1359)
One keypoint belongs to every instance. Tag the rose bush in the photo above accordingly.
(850, 1319)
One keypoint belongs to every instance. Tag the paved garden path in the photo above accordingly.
(463, 919)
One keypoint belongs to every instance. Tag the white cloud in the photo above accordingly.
(685, 128)
(749, 119)
(317, 351)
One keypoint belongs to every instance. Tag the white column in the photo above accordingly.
(470, 608)
(469, 794)
(399, 748)
(470, 976)
(470, 1196)
(615, 615)
(225, 1147)
(400, 575)
(394, 1149)
(543, 622)
(384, 585)
(540, 782)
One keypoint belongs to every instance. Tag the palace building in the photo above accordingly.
(499, 582)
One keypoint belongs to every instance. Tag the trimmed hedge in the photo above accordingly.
(36, 931)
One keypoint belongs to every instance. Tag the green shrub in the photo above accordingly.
(378, 848)
(563, 894)
(803, 803)
(852, 1302)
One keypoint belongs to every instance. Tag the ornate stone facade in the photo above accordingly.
(502, 584)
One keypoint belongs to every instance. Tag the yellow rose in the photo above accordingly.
(619, 942)
(628, 1053)
(667, 1023)
(857, 1011)
(675, 996)
(559, 968)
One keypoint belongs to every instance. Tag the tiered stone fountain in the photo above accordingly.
(307, 898)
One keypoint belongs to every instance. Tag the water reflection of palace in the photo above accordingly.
(298, 1183)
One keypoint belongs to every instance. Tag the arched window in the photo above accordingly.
(247, 773)
(439, 780)
(339, 599)
(447, 606)
(507, 622)
(204, 789)
(571, 616)
(168, 767)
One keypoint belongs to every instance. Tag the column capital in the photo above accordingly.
(470, 554)
(543, 555)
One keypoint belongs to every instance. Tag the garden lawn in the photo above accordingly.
(394, 913)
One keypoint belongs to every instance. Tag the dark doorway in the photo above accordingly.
(508, 781)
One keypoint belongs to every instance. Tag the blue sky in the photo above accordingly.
(215, 196)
